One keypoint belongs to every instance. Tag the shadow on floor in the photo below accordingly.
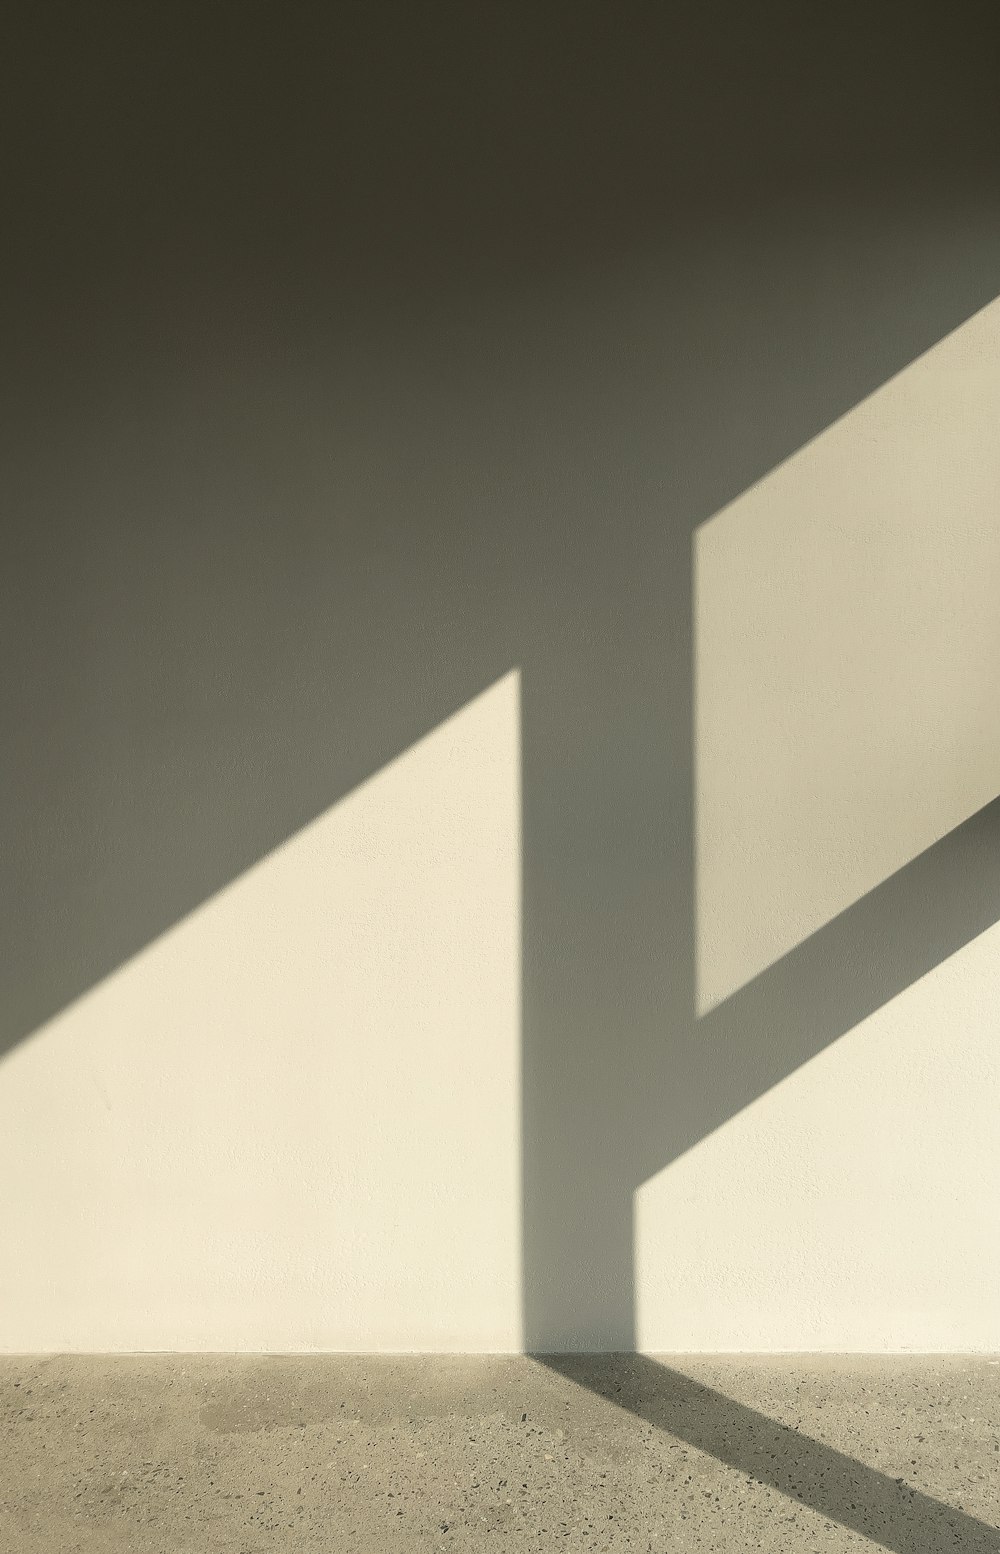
(886, 1510)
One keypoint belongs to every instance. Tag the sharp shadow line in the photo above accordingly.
(223, 315)
(867, 955)
(884, 1510)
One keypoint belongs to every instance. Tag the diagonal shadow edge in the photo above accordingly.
(897, 933)
(398, 730)
(784, 1066)
(872, 952)
(882, 1509)
(401, 728)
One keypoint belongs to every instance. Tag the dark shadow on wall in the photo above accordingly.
(885, 1510)
(350, 360)
(673, 1094)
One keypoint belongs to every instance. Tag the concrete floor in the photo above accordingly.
(198, 1454)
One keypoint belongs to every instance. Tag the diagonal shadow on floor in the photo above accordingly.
(885, 1510)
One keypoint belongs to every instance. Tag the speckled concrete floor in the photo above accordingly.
(198, 1454)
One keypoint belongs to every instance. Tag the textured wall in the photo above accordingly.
(498, 665)
(290, 1123)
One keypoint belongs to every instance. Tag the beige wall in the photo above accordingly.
(847, 658)
(291, 1122)
(498, 660)
(854, 1206)
(847, 716)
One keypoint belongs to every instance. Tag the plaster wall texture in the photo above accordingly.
(499, 648)
(290, 1123)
